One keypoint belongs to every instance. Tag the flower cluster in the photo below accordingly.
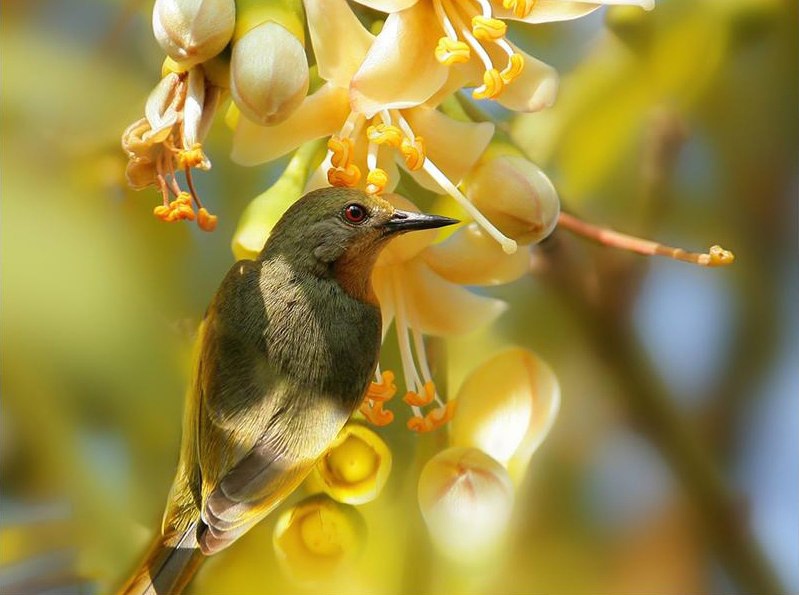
(380, 107)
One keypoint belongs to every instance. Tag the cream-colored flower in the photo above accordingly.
(506, 408)
(168, 140)
(418, 285)
(466, 499)
(367, 145)
(429, 36)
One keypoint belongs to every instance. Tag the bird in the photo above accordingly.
(284, 355)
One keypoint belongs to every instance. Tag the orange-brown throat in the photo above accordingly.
(353, 272)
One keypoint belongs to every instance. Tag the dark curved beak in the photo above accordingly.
(403, 221)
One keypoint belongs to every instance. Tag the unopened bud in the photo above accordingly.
(268, 73)
(466, 498)
(506, 408)
(516, 196)
(318, 537)
(355, 467)
(193, 31)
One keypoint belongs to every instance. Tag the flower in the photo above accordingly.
(466, 499)
(169, 138)
(507, 407)
(365, 146)
(317, 538)
(355, 468)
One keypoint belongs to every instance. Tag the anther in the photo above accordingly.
(520, 8)
(376, 181)
(487, 28)
(513, 69)
(413, 152)
(421, 400)
(451, 51)
(492, 85)
(205, 220)
(348, 176)
(342, 149)
(384, 134)
(191, 157)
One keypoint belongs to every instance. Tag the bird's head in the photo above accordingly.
(342, 230)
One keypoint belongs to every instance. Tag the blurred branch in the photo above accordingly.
(612, 337)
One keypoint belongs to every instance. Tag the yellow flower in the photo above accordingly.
(367, 143)
(193, 31)
(168, 140)
(355, 468)
(507, 407)
(466, 499)
(317, 538)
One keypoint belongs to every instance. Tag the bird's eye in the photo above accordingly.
(355, 213)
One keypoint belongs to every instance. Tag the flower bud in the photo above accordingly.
(193, 31)
(466, 499)
(506, 408)
(471, 257)
(355, 467)
(318, 537)
(266, 209)
(268, 73)
(516, 196)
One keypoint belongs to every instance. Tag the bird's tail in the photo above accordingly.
(170, 564)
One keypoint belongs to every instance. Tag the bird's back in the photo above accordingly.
(281, 351)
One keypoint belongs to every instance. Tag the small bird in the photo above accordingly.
(285, 355)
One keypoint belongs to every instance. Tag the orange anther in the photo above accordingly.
(344, 176)
(162, 212)
(383, 390)
(384, 134)
(413, 152)
(452, 51)
(419, 424)
(417, 400)
(433, 420)
(191, 157)
(342, 149)
(205, 220)
(375, 414)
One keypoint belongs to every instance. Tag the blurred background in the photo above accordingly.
(673, 465)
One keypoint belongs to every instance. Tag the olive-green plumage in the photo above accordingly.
(284, 356)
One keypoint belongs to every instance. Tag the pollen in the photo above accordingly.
(342, 149)
(192, 157)
(492, 85)
(376, 181)
(348, 176)
(385, 134)
(513, 69)
(413, 152)
(421, 400)
(520, 8)
(451, 51)
(487, 28)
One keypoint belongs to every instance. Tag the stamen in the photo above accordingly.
(488, 29)
(376, 181)
(384, 134)
(450, 52)
(470, 39)
(508, 245)
(193, 157)
(378, 393)
(344, 176)
(485, 5)
(342, 149)
(413, 152)
(520, 8)
(444, 19)
(515, 62)
(492, 85)
(716, 256)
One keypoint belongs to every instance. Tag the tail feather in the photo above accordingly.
(170, 564)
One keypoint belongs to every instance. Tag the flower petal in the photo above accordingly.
(534, 89)
(437, 307)
(400, 69)
(454, 146)
(472, 257)
(339, 40)
(382, 284)
(319, 115)
(387, 5)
